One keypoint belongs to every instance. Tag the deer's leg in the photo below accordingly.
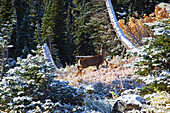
(106, 62)
(78, 67)
(79, 70)
(97, 66)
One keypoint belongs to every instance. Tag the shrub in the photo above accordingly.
(30, 87)
(156, 56)
(153, 63)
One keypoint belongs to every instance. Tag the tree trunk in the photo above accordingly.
(116, 26)
(47, 55)
(3, 64)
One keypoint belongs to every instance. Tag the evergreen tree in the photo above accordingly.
(129, 7)
(156, 58)
(30, 87)
(154, 66)
(55, 33)
(36, 12)
(7, 19)
(69, 42)
(99, 29)
(58, 20)
(24, 41)
(81, 37)
(7, 22)
(48, 33)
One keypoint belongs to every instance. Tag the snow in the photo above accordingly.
(132, 99)
(122, 14)
(159, 28)
(15, 99)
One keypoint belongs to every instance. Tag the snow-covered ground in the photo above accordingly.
(119, 79)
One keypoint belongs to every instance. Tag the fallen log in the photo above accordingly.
(116, 26)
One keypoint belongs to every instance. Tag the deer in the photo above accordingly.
(92, 61)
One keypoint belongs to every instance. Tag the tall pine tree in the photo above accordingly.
(55, 33)
(24, 41)
(81, 37)
(7, 23)
(99, 29)
(69, 41)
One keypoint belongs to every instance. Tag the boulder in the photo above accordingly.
(165, 5)
(128, 103)
(119, 106)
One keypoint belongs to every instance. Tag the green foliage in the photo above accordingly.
(153, 60)
(54, 31)
(30, 87)
(21, 16)
(7, 22)
(6, 10)
(81, 37)
(156, 56)
(91, 27)
(99, 28)
(159, 102)
(24, 30)
(154, 65)
(155, 83)
(36, 12)
(69, 27)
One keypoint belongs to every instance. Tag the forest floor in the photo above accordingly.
(113, 82)
(118, 75)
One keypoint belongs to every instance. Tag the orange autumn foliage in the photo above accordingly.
(134, 30)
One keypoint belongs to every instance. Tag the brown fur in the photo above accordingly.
(92, 61)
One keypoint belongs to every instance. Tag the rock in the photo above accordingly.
(132, 101)
(166, 5)
(90, 89)
(119, 106)
(108, 95)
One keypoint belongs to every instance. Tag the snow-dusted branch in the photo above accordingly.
(116, 26)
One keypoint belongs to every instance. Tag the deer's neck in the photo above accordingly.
(102, 53)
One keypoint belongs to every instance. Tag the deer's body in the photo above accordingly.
(92, 61)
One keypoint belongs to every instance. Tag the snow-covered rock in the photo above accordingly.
(119, 106)
(132, 101)
(165, 5)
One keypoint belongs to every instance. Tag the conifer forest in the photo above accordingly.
(84, 56)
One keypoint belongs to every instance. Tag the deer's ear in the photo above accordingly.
(101, 46)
